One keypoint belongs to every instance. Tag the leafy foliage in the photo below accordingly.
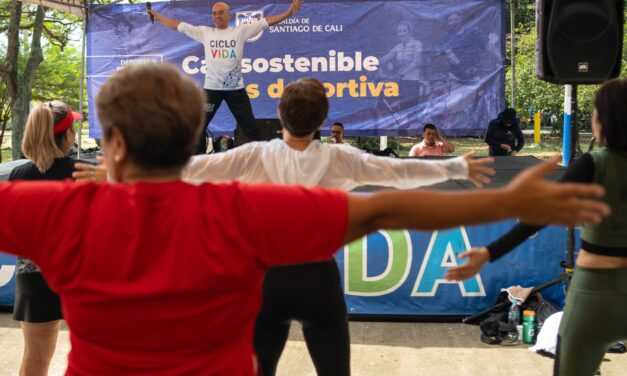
(532, 93)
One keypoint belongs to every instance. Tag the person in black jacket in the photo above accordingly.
(504, 135)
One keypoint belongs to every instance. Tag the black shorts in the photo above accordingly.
(35, 302)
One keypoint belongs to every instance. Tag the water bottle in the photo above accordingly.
(529, 326)
(513, 318)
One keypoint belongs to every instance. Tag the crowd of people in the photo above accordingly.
(174, 264)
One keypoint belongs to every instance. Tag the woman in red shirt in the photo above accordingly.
(159, 276)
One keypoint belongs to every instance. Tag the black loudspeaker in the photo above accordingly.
(579, 41)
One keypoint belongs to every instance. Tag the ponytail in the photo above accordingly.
(39, 144)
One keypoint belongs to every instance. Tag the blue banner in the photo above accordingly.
(7, 279)
(389, 67)
(402, 272)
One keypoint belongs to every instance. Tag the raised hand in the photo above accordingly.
(478, 170)
(89, 172)
(537, 201)
(477, 257)
(295, 7)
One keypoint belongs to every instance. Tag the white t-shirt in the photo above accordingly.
(224, 49)
(333, 166)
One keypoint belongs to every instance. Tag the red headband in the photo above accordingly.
(67, 121)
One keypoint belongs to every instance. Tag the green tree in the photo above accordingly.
(59, 76)
(541, 95)
(5, 111)
(24, 55)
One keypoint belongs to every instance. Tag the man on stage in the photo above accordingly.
(223, 80)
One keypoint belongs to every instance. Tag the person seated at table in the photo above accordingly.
(337, 133)
(433, 143)
(159, 276)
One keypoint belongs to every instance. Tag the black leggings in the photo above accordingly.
(242, 111)
(311, 293)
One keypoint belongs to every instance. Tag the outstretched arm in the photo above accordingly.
(168, 22)
(218, 167)
(367, 169)
(582, 171)
(296, 5)
(528, 197)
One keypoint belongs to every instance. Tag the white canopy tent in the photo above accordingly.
(75, 7)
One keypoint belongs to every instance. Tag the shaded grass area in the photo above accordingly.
(6, 154)
(549, 145)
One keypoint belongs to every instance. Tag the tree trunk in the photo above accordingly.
(19, 114)
(20, 84)
(4, 127)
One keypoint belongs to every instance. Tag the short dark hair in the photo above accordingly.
(428, 126)
(611, 105)
(338, 124)
(303, 107)
(159, 112)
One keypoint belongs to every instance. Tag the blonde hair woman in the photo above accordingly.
(48, 139)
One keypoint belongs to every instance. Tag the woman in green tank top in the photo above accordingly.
(595, 315)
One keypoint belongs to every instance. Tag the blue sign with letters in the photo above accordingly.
(7, 279)
(402, 272)
(388, 67)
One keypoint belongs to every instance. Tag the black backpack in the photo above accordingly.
(495, 328)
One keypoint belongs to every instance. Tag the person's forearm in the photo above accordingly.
(405, 209)
(529, 197)
(213, 167)
(294, 7)
(448, 147)
(273, 20)
(407, 173)
(507, 242)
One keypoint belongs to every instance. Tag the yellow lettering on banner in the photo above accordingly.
(375, 90)
(276, 90)
(252, 90)
(352, 88)
(340, 89)
(391, 89)
(329, 88)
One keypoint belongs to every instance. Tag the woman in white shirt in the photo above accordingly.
(312, 293)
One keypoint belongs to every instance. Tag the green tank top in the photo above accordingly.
(610, 170)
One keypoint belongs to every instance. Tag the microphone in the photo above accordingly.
(149, 6)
